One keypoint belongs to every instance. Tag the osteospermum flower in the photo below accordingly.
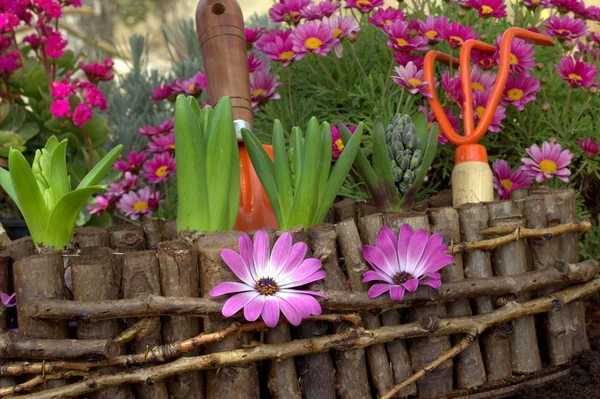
(313, 37)
(133, 164)
(482, 81)
(489, 8)
(135, 205)
(364, 6)
(287, 11)
(505, 181)
(589, 146)
(546, 162)
(102, 204)
(452, 87)
(256, 64)
(269, 280)
(192, 86)
(342, 27)
(270, 37)
(412, 78)
(262, 87)
(280, 50)
(404, 262)
(520, 90)
(431, 28)
(403, 58)
(400, 39)
(565, 6)
(442, 139)
(456, 34)
(120, 187)
(482, 60)
(337, 144)
(384, 17)
(577, 73)
(480, 101)
(162, 143)
(165, 127)
(252, 35)
(565, 28)
(521, 55)
(159, 167)
(318, 11)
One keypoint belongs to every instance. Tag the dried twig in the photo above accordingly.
(38, 380)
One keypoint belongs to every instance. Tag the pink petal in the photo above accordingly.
(228, 288)
(270, 311)
(297, 302)
(307, 268)
(281, 252)
(245, 247)
(536, 153)
(397, 293)
(261, 252)
(378, 289)
(294, 261)
(372, 275)
(377, 260)
(415, 251)
(438, 263)
(405, 235)
(316, 276)
(435, 283)
(254, 308)
(294, 291)
(307, 299)
(433, 249)
(237, 265)
(411, 285)
(386, 242)
(236, 302)
(290, 313)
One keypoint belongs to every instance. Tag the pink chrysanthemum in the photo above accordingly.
(281, 50)
(162, 143)
(256, 64)
(167, 126)
(102, 204)
(384, 17)
(317, 11)
(456, 34)
(133, 164)
(162, 93)
(262, 87)
(589, 146)
(269, 280)
(252, 35)
(489, 8)
(192, 86)
(482, 81)
(364, 6)
(342, 27)
(159, 167)
(505, 181)
(451, 87)
(337, 144)
(520, 90)
(432, 27)
(565, 6)
(403, 58)
(120, 187)
(577, 73)
(271, 37)
(565, 28)
(287, 11)
(547, 162)
(313, 37)
(400, 39)
(412, 78)
(142, 203)
(480, 101)
(442, 139)
(483, 61)
(532, 4)
(404, 262)
(521, 55)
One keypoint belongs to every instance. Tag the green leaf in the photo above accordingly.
(30, 200)
(266, 156)
(36, 80)
(420, 121)
(326, 153)
(364, 168)
(282, 172)
(97, 129)
(381, 162)
(29, 130)
(6, 184)
(101, 168)
(58, 179)
(297, 144)
(205, 118)
(59, 230)
(195, 106)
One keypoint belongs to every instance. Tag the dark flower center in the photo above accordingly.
(267, 286)
(402, 278)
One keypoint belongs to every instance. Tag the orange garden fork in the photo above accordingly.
(472, 179)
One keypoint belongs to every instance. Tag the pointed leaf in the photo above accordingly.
(205, 118)
(235, 186)
(57, 176)
(420, 121)
(361, 163)
(195, 107)
(326, 153)
(297, 144)
(282, 172)
(6, 184)
(381, 161)
(101, 168)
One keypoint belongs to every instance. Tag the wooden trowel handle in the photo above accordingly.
(220, 26)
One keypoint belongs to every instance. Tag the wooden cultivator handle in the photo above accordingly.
(222, 38)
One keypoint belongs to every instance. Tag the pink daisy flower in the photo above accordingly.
(270, 280)
(403, 58)
(162, 143)
(262, 87)
(192, 86)
(162, 93)
(564, 6)
(313, 37)
(482, 81)
(480, 101)
(505, 181)
(135, 205)
(120, 187)
(167, 126)
(337, 144)
(442, 139)
(589, 146)
(521, 55)
(565, 28)
(252, 35)
(133, 164)
(412, 78)
(280, 50)
(400, 39)
(431, 28)
(364, 6)
(404, 262)
(342, 27)
(159, 167)
(456, 34)
(256, 64)
(452, 87)
(577, 73)
(520, 90)
(532, 4)
(287, 11)
(547, 162)
(489, 8)
(271, 37)
(483, 61)
(385, 16)
(318, 11)
(102, 204)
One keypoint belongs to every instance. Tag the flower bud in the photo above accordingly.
(461, 13)
(483, 37)
(553, 139)
(543, 80)
(593, 91)
(539, 66)
(545, 107)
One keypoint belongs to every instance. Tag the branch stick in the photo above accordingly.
(38, 380)
(15, 346)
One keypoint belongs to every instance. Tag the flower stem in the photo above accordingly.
(362, 69)
(325, 71)
(89, 145)
(581, 111)
(565, 112)
(388, 79)
(289, 93)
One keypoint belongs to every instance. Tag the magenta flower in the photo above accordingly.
(442, 139)
(8, 300)
(83, 113)
(318, 11)
(565, 28)
(403, 58)
(505, 181)
(452, 87)
(280, 50)
(547, 162)
(287, 11)
(120, 187)
(61, 90)
(489, 8)
(162, 143)
(96, 98)
(565, 6)
(384, 17)
(520, 90)
(482, 81)
(364, 6)
(400, 39)
(252, 35)
(262, 87)
(483, 61)
(532, 4)
(256, 64)
(404, 262)
(456, 34)
(342, 27)
(411, 78)
(8, 22)
(167, 126)
(55, 45)
(102, 205)
(313, 37)
(271, 37)
(480, 101)
(589, 146)
(269, 280)
(96, 72)
(432, 27)
(521, 55)
(337, 145)
(159, 167)
(192, 86)
(162, 93)
(60, 108)
(133, 164)
(135, 205)
(577, 73)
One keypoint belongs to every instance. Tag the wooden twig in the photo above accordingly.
(39, 380)
(14, 346)
(341, 341)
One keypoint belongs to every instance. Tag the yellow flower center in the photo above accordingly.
(160, 172)
(388, 21)
(339, 144)
(192, 87)
(477, 86)
(363, 3)
(286, 55)
(401, 42)
(457, 39)
(429, 125)
(414, 81)
(548, 166)
(515, 94)
(171, 146)
(313, 43)
(140, 206)
(294, 13)
(486, 10)
(337, 32)
(535, 1)
(507, 184)
(574, 76)
(430, 34)
(479, 111)
(564, 32)
(258, 92)
(513, 59)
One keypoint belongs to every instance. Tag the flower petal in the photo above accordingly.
(387, 242)
(378, 261)
(378, 289)
(397, 293)
(229, 287)
(316, 276)
(404, 237)
(280, 253)
(294, 261)
(307, 268)
(297, 302)
(237, 265)
(261, 252)
(411, 285)
(270, 311)
(315, 293)
(433, 249)
(236, 302)
(372, 275)
(246, 252)
(438, 263)
(254, 308)
(290, 313)
(415, 250)
(435, 283)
